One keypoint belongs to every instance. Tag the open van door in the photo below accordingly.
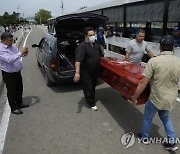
(70, 27)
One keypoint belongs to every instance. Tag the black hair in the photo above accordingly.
(166, 43)
(6, 35)
(87, 29)
(140, 31)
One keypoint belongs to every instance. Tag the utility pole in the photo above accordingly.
(18, 11)
(62, 7)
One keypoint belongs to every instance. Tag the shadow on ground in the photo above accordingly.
(31, 100)
(128, 117)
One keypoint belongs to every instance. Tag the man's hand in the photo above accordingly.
(77, 74)
(134, 100)
(76, 77)
(24, 50)
(140, 88)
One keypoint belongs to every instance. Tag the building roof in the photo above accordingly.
(107, 5)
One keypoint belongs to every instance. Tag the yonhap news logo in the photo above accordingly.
(129, 139)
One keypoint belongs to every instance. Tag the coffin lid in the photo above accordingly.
(128, 70)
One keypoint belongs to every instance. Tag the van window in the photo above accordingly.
(46, 47)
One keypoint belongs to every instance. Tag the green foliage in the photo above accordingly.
(10, 19)
(41, 16)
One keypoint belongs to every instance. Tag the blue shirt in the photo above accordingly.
(100, 36)
(176, 41)
(10, 58)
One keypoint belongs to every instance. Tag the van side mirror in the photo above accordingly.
(35, 45)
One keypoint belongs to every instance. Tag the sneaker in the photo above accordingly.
(17, 112)
(171, 147)
(141, 139)
(94, 108)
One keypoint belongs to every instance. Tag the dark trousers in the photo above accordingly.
(88, 81)
(14, 87)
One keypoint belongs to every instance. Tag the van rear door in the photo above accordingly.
(71, 27)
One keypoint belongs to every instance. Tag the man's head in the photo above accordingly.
(89, 35)
(140, 35)
(101, 29)
(166, 43)
(7, 38)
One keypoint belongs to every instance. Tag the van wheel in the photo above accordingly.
(39, 65)
(49, 83)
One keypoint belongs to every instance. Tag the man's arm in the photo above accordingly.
(126, 58)
(77, 73)
(11, 58)
(8, 58)
(140, 88)
(150, 53)
(128, 51)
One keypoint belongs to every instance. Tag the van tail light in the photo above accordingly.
(54, 66)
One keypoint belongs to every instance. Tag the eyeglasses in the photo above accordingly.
(92, 35)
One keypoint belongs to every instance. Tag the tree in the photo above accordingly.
(8, 19)
(42, 15)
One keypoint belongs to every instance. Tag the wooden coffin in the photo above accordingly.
(124, 77)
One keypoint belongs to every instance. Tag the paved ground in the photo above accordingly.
(59, 121)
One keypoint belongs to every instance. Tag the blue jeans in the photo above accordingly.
(149, 113)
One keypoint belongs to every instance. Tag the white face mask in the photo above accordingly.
(92, 39)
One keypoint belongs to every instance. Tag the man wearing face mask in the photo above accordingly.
(87, 65)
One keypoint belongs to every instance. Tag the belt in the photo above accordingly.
(11, 72)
